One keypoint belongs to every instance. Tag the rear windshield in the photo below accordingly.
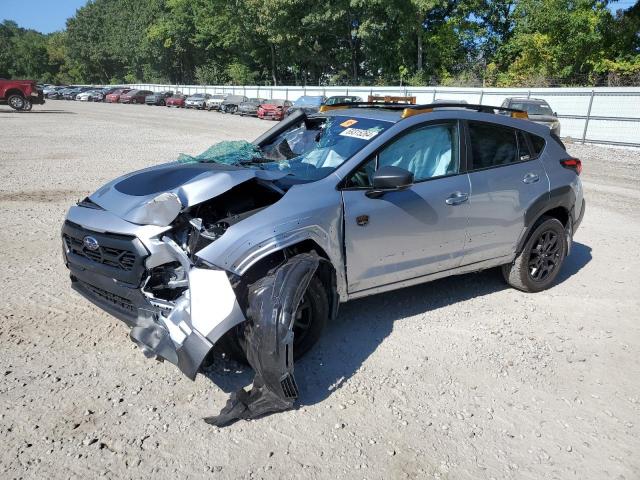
(533, 108)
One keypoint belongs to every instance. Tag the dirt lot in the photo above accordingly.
(462, 378)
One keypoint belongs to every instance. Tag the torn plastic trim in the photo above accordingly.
(273, 302)
(197, 320)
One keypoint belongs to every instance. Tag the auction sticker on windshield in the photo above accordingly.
(360, 133)
(348, 123)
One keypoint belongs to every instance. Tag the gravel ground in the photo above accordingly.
(462, 378)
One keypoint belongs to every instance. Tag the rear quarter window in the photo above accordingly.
(538, 144)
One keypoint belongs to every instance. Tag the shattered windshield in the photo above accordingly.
(307, 151)
(312, 150)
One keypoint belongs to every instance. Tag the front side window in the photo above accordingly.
(427, 152)
(492, 145)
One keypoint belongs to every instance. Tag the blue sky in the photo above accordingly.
(50, 15)
(46, 16)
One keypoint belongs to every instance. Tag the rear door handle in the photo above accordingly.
(530, 178)
(456, 198)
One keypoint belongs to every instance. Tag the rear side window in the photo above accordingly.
(523, 147)
(492, 145)
(538, 143)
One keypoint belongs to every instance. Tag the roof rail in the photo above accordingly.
(410, 110)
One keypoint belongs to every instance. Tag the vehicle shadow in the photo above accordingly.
(362, 325)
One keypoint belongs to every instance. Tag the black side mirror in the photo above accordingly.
(389, 179)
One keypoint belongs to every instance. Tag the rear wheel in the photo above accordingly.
(539, 263)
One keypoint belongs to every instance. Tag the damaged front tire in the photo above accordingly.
(274, 302)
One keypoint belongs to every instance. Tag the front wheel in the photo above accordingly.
(541, 259)
(310, 320)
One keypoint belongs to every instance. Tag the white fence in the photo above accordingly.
(609, 115)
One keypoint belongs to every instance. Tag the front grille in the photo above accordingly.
(112, 257)
(115, 256)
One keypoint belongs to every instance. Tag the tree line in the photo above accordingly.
(333, 42)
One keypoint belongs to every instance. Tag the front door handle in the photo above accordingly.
(530, 178)
(456, 198)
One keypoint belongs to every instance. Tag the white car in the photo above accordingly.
(90, 96)
(215, 101)
(197, 100)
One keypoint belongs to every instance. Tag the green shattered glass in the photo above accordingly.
(228, 152)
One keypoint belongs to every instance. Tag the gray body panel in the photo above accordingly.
(498, 202)
(410, 233)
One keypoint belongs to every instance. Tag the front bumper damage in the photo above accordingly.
(114, 275)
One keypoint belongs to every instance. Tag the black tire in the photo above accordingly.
(133, 100)
(541, 259)
(27, 106)
(16, 101)
(315, 304)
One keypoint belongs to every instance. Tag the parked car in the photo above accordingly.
(90, 96)
(114, 97)
(177, 101)
(71, 94)
(539, 111)
(231, 103)
(197, 100)
(20, 94)
(54, 93)
(135, 96)
(250, 107)
(215, 101)
(274, 109)
(342, 99)
(307, 104)
(52, 88)
(158, 98)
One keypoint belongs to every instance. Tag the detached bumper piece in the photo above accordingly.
(109, 270)
(273, 301)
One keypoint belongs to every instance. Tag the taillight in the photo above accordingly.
(572, 164)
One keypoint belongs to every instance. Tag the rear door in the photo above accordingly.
(506, 180)
(414, 232)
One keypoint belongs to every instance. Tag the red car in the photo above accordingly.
(176, 101)
(114, 97)
(274, 109)
(135, 96)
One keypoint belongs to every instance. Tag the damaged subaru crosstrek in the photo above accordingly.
(252, 246)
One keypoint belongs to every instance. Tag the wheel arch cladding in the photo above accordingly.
(325, 271)
(273, 301)
(559, 203)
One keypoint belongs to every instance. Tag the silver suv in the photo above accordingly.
(255, 251)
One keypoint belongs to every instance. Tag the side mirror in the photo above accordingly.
(555, 114)
(389, 179)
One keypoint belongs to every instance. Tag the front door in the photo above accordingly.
(414, 232)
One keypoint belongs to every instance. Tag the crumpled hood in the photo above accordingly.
(156, 195)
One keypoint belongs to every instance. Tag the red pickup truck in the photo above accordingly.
(20, 94)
